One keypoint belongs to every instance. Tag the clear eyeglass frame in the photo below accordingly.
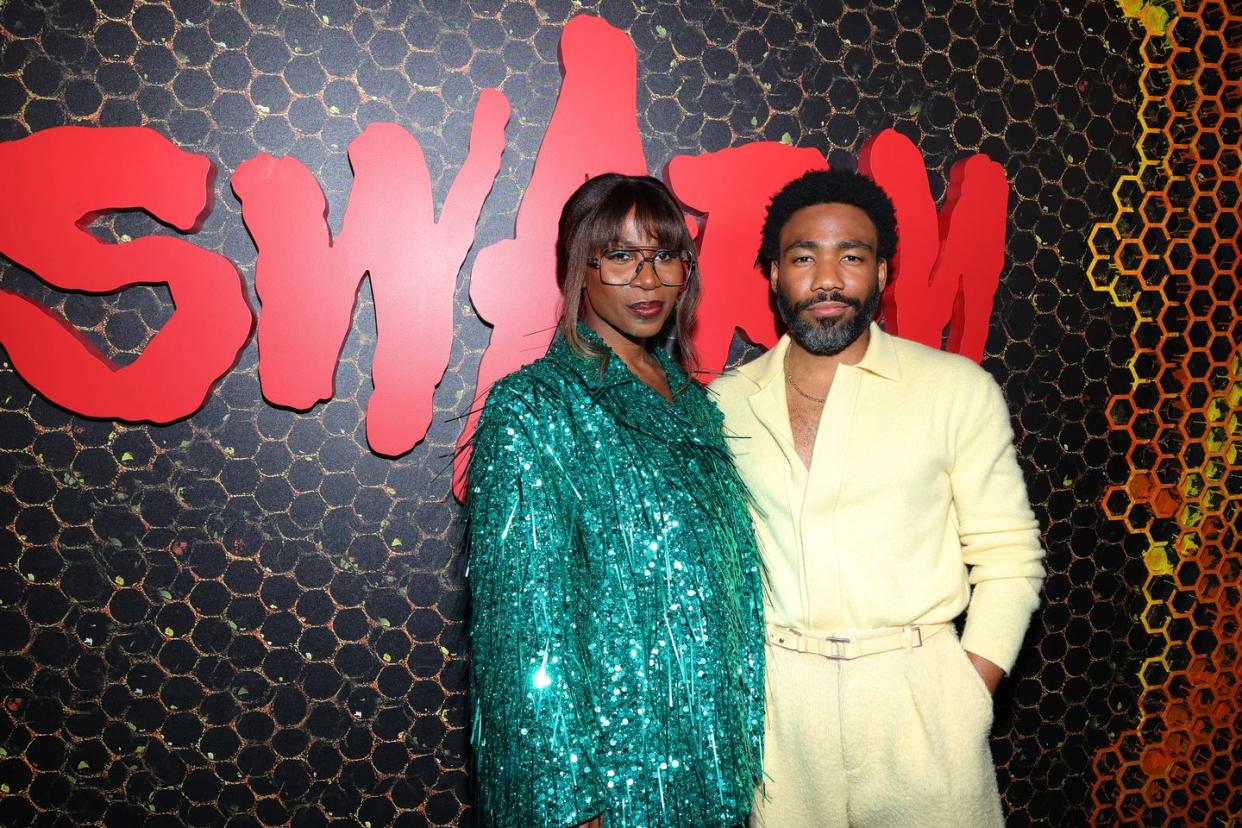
(620, 266)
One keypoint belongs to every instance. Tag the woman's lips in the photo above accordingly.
(646, 310)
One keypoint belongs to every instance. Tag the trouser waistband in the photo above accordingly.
(855, 644)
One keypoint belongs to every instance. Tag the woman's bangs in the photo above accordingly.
(655, 219)
(602, 230)
(655, 216)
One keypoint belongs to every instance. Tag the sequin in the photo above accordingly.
(616, 621)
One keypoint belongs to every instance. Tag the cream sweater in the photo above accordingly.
(914, 507)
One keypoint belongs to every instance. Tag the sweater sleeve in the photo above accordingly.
(534, 731)
(998, 531)
(745, 593)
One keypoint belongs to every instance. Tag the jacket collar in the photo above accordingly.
(635, 406)
(768, 403)
(615, 372)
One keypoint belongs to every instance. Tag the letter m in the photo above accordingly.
(947, 269)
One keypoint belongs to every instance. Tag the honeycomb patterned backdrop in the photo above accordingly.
(248, 618)
(1169, 254)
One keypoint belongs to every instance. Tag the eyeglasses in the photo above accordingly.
(620, 266)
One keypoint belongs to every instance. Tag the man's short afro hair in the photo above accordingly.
(829, 187)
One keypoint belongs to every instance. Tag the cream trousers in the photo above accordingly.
(892, 740)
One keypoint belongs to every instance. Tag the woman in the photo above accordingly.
(616, 629)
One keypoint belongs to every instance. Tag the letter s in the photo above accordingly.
(57, 182)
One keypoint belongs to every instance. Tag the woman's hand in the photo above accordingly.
(598, 822)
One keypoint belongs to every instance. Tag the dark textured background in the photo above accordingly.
(247, 616)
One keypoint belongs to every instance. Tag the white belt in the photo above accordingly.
(856, 644)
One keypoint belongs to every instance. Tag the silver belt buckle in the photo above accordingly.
(836, 647)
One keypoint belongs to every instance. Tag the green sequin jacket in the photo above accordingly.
(616, 618)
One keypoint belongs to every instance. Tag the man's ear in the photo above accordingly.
(773, 270)
(882, 275)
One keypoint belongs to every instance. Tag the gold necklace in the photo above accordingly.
(789, 378)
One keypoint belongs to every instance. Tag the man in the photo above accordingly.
(887, 500)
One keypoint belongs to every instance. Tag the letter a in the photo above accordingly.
(594, 130)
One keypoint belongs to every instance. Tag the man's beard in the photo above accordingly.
(828, 336)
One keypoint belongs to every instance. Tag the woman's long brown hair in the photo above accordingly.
(589, 224)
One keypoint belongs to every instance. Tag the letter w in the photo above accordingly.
(307, 282)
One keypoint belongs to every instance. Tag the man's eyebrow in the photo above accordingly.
(844, 244)
(804, 244)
